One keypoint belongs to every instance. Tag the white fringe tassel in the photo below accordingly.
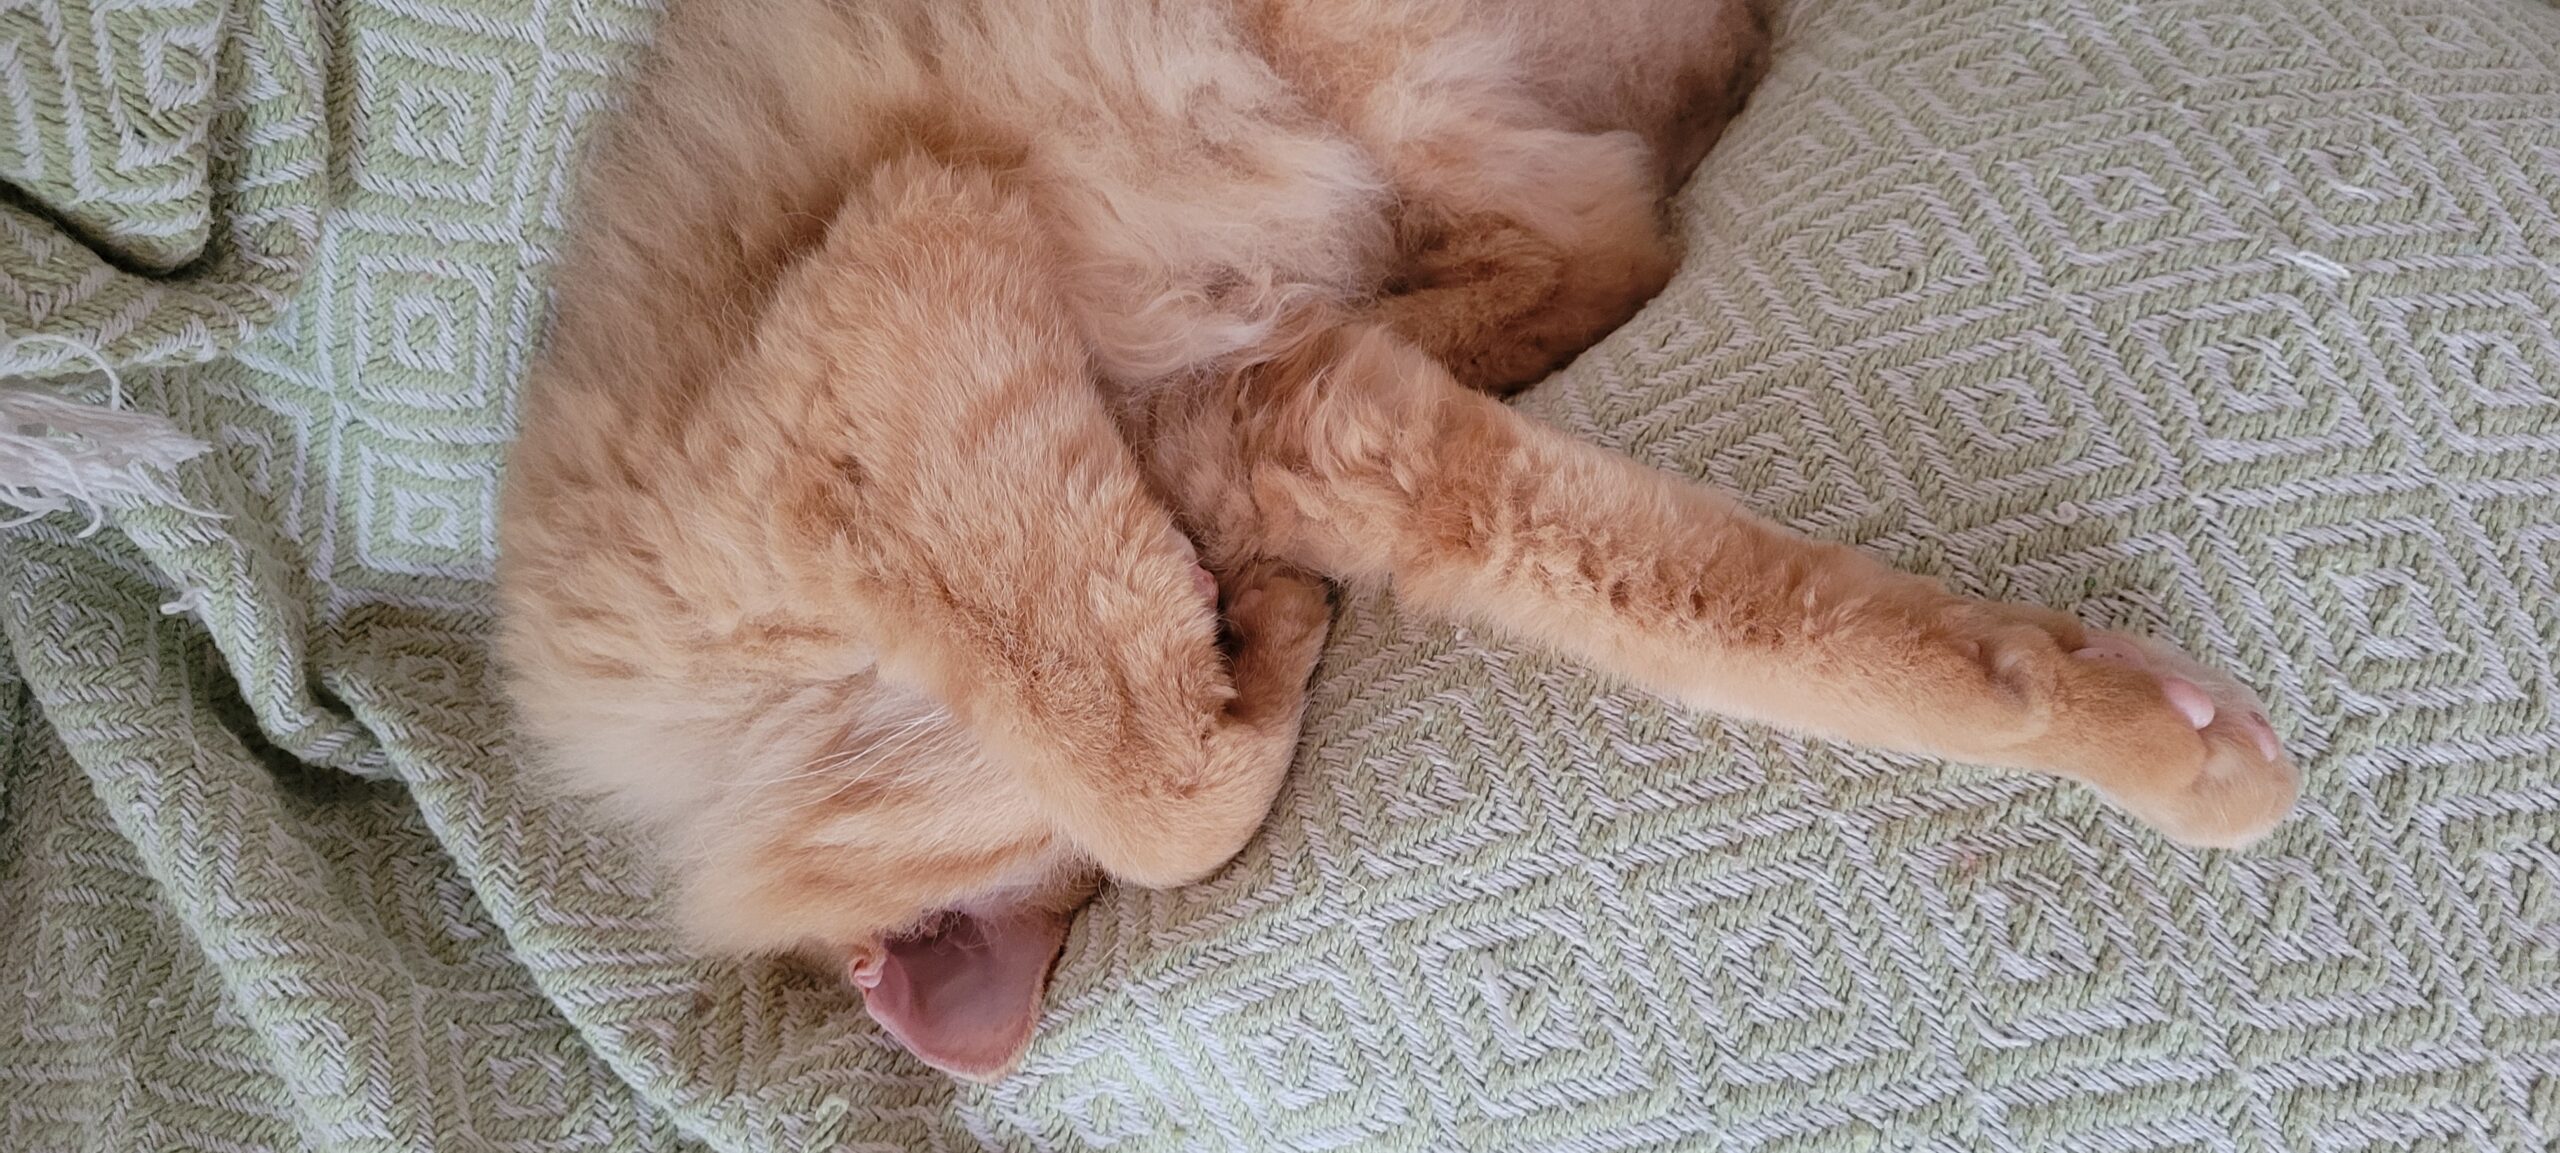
(57, 454)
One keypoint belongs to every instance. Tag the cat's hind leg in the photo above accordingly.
(1530, 146)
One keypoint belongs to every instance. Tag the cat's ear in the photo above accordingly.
(965, 995)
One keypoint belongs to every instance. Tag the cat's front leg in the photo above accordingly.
(1370, 462)
(1276, 618)
(1059, 641)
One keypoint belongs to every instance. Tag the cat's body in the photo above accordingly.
(907, 350)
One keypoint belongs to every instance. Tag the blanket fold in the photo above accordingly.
(171, 168)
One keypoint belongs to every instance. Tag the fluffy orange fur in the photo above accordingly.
(910, 352)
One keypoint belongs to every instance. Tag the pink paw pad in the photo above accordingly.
(2262, 735)
(2189, 698)
(2190, 701)
(2245, 784)
(1204, 584)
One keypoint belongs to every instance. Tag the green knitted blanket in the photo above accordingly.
(2230, 319)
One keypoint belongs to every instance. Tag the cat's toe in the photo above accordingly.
(2241, 786)
(1277, 603)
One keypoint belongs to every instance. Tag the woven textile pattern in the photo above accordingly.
(2227, 319)
(130, 88)
(168, 162)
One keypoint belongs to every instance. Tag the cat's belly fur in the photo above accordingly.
(1200, 195)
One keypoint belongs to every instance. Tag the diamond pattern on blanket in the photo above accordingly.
(170, 162)
(112, 104)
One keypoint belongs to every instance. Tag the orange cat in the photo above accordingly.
(912, 357)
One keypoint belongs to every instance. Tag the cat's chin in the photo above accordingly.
(963, 993)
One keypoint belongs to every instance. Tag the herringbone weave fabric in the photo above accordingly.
(168, 160)
(2230, 319)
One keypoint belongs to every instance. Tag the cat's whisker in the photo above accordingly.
(853, 758)
(898, 738)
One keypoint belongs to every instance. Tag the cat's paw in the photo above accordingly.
(1278, 616)
(1269, 603)
(2234, 788)
(2184, 748)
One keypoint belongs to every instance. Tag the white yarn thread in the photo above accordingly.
(58, 454)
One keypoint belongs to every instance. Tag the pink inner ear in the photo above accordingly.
(964, 995)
